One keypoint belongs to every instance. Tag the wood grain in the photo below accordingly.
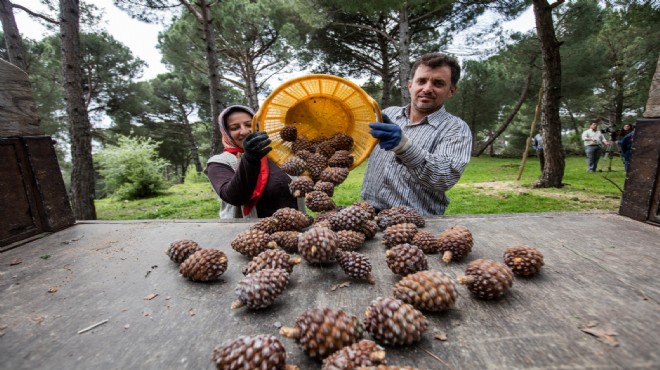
(18, 112)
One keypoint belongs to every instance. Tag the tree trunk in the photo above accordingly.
(619, 90)
(553, 171)
(404, 54)
(187, 131)
(574, 123)
(386, 77)
(214, 79)
(512, 115)
(13, 40)
(82, 175)
(251, 84)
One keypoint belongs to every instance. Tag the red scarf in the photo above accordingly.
(262, 180)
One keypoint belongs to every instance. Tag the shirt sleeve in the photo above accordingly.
(442, 168)
(234, 187)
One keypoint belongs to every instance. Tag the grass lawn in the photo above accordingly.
(487, 186)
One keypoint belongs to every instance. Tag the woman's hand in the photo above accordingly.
(256, 146)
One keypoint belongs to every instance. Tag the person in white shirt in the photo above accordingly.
(593, 139)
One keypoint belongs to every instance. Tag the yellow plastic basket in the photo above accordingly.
(317, 105)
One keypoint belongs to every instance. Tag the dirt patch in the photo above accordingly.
(504, 189)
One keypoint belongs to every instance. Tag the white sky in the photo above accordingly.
(142, 37)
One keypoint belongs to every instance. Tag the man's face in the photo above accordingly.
(430, 88)
(593, 126)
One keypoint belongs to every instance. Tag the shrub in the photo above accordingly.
(131, 169)
(194, 177)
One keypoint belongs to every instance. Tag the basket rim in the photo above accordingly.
(256, 119)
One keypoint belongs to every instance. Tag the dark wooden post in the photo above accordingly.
(641, 196)
(33, 198)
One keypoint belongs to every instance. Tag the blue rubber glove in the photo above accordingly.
(388, 133)
(256, 146)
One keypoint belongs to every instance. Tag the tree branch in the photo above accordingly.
(30, 12)
(556, 4)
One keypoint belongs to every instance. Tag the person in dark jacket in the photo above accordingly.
(248, 184)
(625, 145)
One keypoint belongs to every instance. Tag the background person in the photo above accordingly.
(625, 145)
(248, 184)
(537, 143)
(593, 139)
(423, 149)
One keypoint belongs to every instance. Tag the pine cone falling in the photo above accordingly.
(426, 241)
(349, 218)
(318, 245)
(272, 259)
(268, 225)
(262, 351)
(301, 143)
(319, 201)
(369, 229)
(487, 279)
(300, 186)
(294, 166)
(363, 353)
(350, 240)
(355, 265)
(326, 149)
(289, 133)
(261, 288)
(399, 234)
(406, 259)
(393, 322)
(523, 260)
(182, 249)
(316, 163)
(291, 219)
(323, 331)
(335, 175)
(252, 242)
(341, 158)
(426, 290)
(287, 240)
(204, 265)
(455, 243)
(326, 187)
(342, 141)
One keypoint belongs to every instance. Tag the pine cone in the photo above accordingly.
(252, 242)
(406, 259)
(335, 175)
(350, 240)
(182, 249)
(523, 260)
(294, 166)
(341, 158)
(426, 290)
(399, 234)
(291, 219)
(268, 225)
(273, 259)
(487, 279)
(204, 265)
(261, 288)
(300, 186)
(323, 331)
(251, 352)
(318, 245)
(363, 353)
(455, 243)
(326, 187)
(289, 133)
(393, 322)
(319, 201)
(349, 218)
(287, 240)
(426, 241)
(355, 265)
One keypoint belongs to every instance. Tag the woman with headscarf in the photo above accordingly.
(248, 184)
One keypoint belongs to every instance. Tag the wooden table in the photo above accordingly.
(601, 274)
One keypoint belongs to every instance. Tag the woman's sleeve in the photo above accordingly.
(233, 187)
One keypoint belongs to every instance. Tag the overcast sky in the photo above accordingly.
(141, 37)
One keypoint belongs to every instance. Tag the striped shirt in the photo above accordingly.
(419, 177)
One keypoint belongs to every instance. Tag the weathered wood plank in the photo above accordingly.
(599, 267)
(18, 112)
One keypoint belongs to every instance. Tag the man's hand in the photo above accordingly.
(388, 133)
(256, 146)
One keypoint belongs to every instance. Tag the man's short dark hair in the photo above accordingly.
(434, 60)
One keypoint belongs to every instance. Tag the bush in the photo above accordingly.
(131, 169)
(194, 177)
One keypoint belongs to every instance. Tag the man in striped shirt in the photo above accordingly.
(423, 149)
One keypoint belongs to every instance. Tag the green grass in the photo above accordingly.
(487, 186)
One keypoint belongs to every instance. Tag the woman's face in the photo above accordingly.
(239, 125)
(626, 127)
